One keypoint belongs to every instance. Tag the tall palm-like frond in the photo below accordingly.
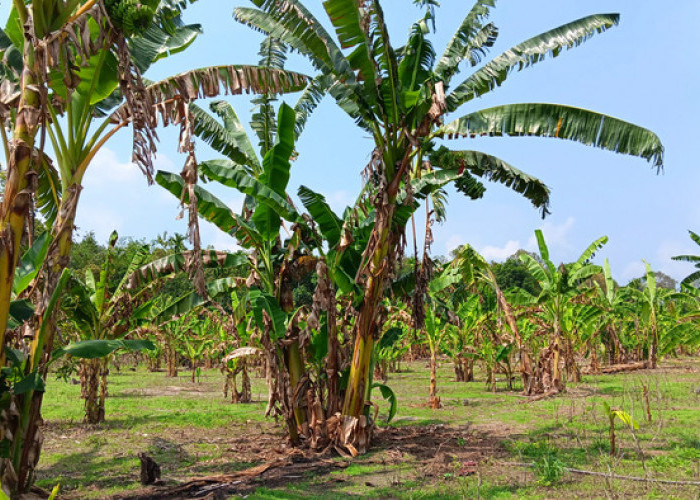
(561, 122)
(470, 42)
(527, 53)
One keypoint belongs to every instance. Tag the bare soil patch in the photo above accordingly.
(433, 450)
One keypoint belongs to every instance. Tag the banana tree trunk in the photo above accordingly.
(295, 366)
(332, 368)
(230, 384)
(26, 446)
(365, 326)
(459, 368)
(653, 347)
(469, 370)
(434, 400)
(557, 382)
(526, 371)
(93, 389)
(595, 368)
(170, 359)
(572, 369)
(19, 184)
(246, 392)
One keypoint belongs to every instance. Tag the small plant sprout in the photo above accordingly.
(625, 417)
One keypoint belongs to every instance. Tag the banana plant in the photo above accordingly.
(475, 269)
(610, 299)
(559, 286)
(69, 63)
(582, 321)
(400, 96)
(651, 304)
(85, 51)
(435, 331)
(193, 342)
(258, 227)
(683, 331)
(236, 361)
(622, 416)
(96, 313)
(462, 340)
(389, 351)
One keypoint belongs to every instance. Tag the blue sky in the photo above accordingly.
(638, 71)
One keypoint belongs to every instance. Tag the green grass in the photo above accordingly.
(192, 431)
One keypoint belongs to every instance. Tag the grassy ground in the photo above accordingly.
(468, 448)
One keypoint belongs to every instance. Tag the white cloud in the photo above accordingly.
(454, 241)
(555, 235)
(491, 253)
(106, 168)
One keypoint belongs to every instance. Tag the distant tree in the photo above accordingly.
(87, 254)
(663, 280)
(514, 274)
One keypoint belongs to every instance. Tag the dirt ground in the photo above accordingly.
(432, 451)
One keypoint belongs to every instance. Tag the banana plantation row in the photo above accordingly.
(324, 303)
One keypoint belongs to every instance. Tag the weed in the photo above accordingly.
(549, 470)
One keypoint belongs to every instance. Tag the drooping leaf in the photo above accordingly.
(241, 352)
(330, 225)
(530, 52)
(91, 349)
(231, 175)
(231, 143)
(223, 286)
(178, 307)
(177, 262)
(156, 43)
(563, 122)
(469, 41)
(48, 192)
(212, 82)
(451, 275)
(390, 337)
(30, 263)
(494, 169)
(20, 311)
(310, 99)
(32, 382)
(390, 397)
(211, 208)
(264, 302)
